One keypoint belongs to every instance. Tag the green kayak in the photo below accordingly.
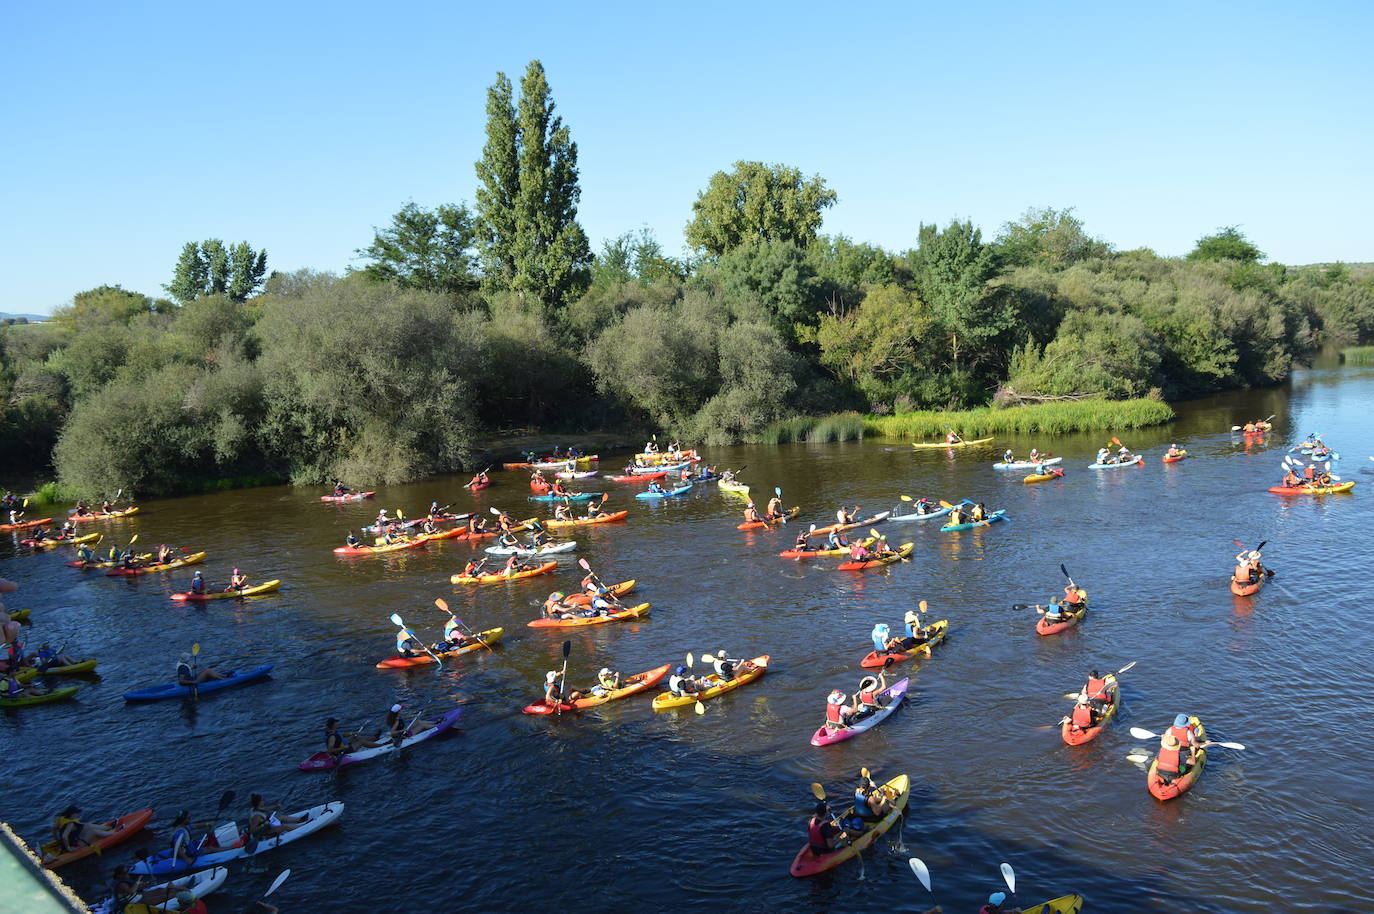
(55, 695)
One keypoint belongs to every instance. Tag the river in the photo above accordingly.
(620, 807)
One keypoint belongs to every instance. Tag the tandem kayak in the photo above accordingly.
(843, 528)
(572, 474)
(26, 524)
(639, 477)
(667, 494)
(940, 444)
(661, 468)
(407, 543)
(192, 559)
(734, 488)
(546, 549)
(795, 553)
(994, 517)
(98, 515)
(210, 853)
(665, 701)
(935, 633)
(174, 690)
(769, 522)
(545, 568)
(125, 827)
(889, 699)
(611, 518)
(615, 590)
(630, 612)
(1075, 736)
(1179, 786)
(1064, 904)
(85, 566)
(929, 515)
(1313, 490)
(53, 543)
(1181, 455)
(351, 496)
(886, 559)
(571, 496)
(22, 701)
(1071, 618)
(632, 685)
(807, 863)
(484, 641)
(1135, 461)
(198, 884)
(1027, 464)
(26, 673)
(264, 587)
(324, 761)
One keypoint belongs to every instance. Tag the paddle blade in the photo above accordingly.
(276, 883)
(396, 620)
(1008, 873)
(1142, 733)
(133, 539)
(1229, 745)
(924, 606)
(1126, 667)
(918, 867)
(195, 649)
(699, 708)
(441, 603)
(585, 565)
(496, 512)
(225, 799)
(567, 649)
(689, 658)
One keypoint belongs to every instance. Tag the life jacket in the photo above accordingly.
(861, 807)
(1072, 596)
(1309, 472)
(1184, 735)
(675, 685)
(834, 540)
(834, 714)
(856, 552)
(868, 698)
(1082, 717)
(1097, 688)
(815, 835)
(68, 837)
(1242, 575)
(1169, 760)
(184, 671)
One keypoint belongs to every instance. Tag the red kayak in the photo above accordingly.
(479, 486)
(1071, 618)
(351, 496)
(770, 522)
(646, 477)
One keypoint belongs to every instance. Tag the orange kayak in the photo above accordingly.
(632, 612)
(611, 518)
(617, 590)
(125, 827)
(765, 524)
(545, 568)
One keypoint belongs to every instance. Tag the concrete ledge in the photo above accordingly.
(28, 886)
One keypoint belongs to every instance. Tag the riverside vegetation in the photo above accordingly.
(466, 321)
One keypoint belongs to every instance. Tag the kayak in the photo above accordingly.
(192, 559)
(842, 528)
(632, 685)
(902, 552)
(938, 444)
(477, 486)
(640, 477)
(54, 543)
(611, 518)
(515, 466)
(546, 549)
(660, 468)
(665, 457)
(27, 673)
(738, 488)
(26, 524)
(939, 512)
(408, 543)
(264, 587)
(351, 496)
(994, 517)
(211, 853)
(19, 615)
(1043, 477)
(539, 486)
(198, 884)
(484, 640)
(666, 700)
(808, 864)
(1162, 791)
(1071, 619)
(616, 590)
(1076, 737)
(1135, 461)
(545, 568)
(379, 529)
(935, 633)
(630, 612)
(765, 524)
(894, 693)
(575, 474)
(143, 557)
(1181, 455)
(323, 761)
(97, 515)
(1064, 904)
(173, 690)
(795, 553)
(668, 494)
(1247, 590)
(1028, 464)
(125, 827)
(61, 694)
(571, 496)
(561, 463)
(1313, 490)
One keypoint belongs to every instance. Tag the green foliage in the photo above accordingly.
(772, 282)
(425, 249)
(106, 306)
(210, 268)
(757, 203)
(816, 429)
(1093, 353)
(881, 347)
(1227, 243)
(1044, 418)
(951, 269)
(1358, 355)
(1049, 238)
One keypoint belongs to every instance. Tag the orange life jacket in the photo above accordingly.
(1184, 735)
(833, 713)
(1169, 760)
(1242, 575)
(1097, 688)
(1072, 596)
(1082, 717)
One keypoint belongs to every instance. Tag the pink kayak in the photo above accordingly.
(894, 693)
(351, 496)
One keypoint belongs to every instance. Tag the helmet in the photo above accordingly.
(997, 897)
(1181, 720)
(679, 671)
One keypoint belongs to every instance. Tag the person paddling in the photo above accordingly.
(351, 541)
(868, 699)
(845, 518)
(682, 683)
(751, 514)
(1248, 567)
(70, 833)
(336, 744)
(265, 822)
(186, 676)
(198, 584)
(871, 801)
(237, 581)
(837, 713)
(1084, 716)
(407, 644)
(996, 905)
(774, 509)
(1096, 691)
(823, 836)
(803, 542)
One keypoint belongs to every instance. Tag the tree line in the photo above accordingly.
(465, 321)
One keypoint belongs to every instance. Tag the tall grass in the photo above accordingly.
(1042, 418)
(838, 427)
(51, 493)
(1358, 355)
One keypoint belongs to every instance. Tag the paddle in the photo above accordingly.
(586, 566)
(563, 678)
(1142, 733)
(1009, 874)
(276, 883)
(922, 873)
(1072, 695)
(195, 670)
(1069, 576)
(398, 622)
(442, 604)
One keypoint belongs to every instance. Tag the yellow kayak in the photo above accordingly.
(923, 444)
(75, 541)
(1064, 904)
(737, 488)
(264, 587)
(666, 700)
(808, 864)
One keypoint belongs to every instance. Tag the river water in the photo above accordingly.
(622, 807)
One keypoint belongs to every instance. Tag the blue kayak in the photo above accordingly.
(992, 518)
(669, 494)
(172, 690)
(571, 496)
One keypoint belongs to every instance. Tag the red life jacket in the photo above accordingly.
(1169, 760)
(1071, 596)
(833, 713)
(1184, 735)
(815, 835)
(868, 698)
(1082, 717)
(1097, 688)
(1308, 472)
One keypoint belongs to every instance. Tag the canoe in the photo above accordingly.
(632, 685)
(639, 477)
(613, 517)
(765, 524)
(902, 518)
(1028, 464)
(936, 633)
(26, 524)
(484, 640)
(667, 700)
(1162, 791)
(71, 669)
(545, 568)
(795, 553)
(323, 761)
(408, 543)
(210, 853)
(1076, 737)
(61, 694)
(630, 612)
(994, 517)
(1182, 455)
(546, 549)
(1064, 904)
(173, 690)
(351, 496)
(264, 587)
(97, 515)
(571, 496)
(1313, 490)
(192, 559)
(668, 494)
(826, 736)
(939, 444)
(1042, 477)
(1071, 619)
(54, 543)
(808, 864)
(198, 884)
(1247, 590)
(616, 590)
(842, 528)
(737, 488)
(126, 826)
(1135, 461)
(902, 552)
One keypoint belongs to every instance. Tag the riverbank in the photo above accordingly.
(1041, 418)
(1358, 355)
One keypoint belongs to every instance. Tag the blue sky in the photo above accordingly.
(133, 128)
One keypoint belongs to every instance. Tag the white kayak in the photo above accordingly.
(546, 549)
(199, 884)
(211, 853)
(575, 474)
(1131, 461)
(1028, 464)
(938, 512)
(323, 761)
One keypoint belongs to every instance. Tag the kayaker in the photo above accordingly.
(1248, 567)
(514, 565)
(837, 713)
(1324, 479)
(1096, 691)
(1309, 473)
(1008, 456)
(188, 676)
(45, 657)
(607, 680)
(1170, 762)
(1053, 613)
(914, 631)
(508, 540)
(952, 438)
(682, 683)
(1173, 451)
(198, 584)
(84, 554)
(1072, 597)
(553, 690)
(1035, 454)
(774, 509)
(604, 603)
(725, 667)
(823, 836)
(340, 489)
(504, 522)
(14, 516)
(867, 699)
(870, 801)
(956, 516)
(751, 514)
(594, 508)
(70, 833)
(188, 903)
(1104, 456)
(978, 513)
(473, 568)
(803, 543)
(559, 490)
(1182, 731)
(554, 607)
(476, 525)
(68, 530)
(336, 744)
(407, 644)
(657, 489)
(237, 581)
(880, 637)
(651, 448)
(106, 507)
(995, 905)
(562, 512)
(125, 888)
(1123, 454)
(264, 822)
(382, 520)
(1084, 717)
(181, 842)
(351, 541)
(845, 518)
(858, 552)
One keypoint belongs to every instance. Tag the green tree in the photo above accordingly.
(1048, 237)
(1093, 353)
(882, 347)
(1227, 243)
(247, 268)
(190, 276)
(425, 249)
(210, 268)
(757, 203)
(106, 305)
(951, 269)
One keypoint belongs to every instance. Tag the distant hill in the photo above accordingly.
(29, 317)
(1358, 270)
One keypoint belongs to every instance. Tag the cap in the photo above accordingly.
(605, 671)
(679, 671)
(836, 696)
(1082, 698)
(1169, 741)
(997, 897)
(1254, 555)
(396, 707)
(550, 676)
